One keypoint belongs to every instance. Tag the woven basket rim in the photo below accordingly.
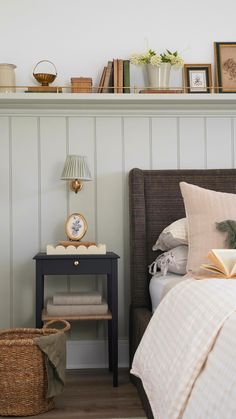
(24, 341)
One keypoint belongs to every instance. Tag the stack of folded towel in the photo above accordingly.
(76, 304)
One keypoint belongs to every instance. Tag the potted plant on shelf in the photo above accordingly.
(158, 66)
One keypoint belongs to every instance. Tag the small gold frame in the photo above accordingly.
(76, 226)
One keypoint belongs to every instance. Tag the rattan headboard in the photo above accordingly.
(155, 202)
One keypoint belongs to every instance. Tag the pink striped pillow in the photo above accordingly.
(203, 209)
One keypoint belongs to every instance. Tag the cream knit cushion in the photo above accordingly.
(203, 209)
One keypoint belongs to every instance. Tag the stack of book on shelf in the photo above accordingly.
(115, 77)
(70, 304)
(81, 85)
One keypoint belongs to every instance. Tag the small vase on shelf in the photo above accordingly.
(156, 68)
(159, 77)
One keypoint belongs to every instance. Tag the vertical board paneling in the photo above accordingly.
(110, 195)
(219, 143)
(24, 217)
(53, 206)
(192, 143)
(32, 154)
(234, 140)
(82, 142)
(5, 203)
(136, 143)
(137, 153)
(165, 143)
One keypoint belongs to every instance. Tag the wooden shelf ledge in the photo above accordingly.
(47, 317)
(95, 103)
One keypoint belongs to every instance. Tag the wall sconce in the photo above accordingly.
(76, 169)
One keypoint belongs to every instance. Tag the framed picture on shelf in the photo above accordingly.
(197, 78)
(76, 226)
(225, 64)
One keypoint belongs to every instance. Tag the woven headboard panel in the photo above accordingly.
(155, 202)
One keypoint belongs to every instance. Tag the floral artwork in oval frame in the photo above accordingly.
(76, 226)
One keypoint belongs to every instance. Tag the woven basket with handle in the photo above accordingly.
(23, 378)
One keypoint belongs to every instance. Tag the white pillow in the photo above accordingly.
(160, 285)
(173, 235)
(175, 261)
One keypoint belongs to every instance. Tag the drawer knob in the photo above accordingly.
(76, 262)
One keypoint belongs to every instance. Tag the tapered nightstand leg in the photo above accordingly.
(115, 353)
(39, 295)
(114, 332)
(110, 344)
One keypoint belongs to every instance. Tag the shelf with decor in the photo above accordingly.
(106, 104)
(73, 97)
(73, 100)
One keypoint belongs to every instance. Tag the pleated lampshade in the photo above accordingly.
(76, 169)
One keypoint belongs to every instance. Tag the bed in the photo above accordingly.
(155, 202)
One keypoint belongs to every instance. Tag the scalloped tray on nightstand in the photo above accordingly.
(100, 249)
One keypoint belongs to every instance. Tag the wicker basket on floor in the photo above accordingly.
(23, 378)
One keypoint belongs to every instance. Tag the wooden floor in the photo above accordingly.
(89, 394)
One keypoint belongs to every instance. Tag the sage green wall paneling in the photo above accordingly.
(219, 143)
(137, 153)
(192, 143)
(82, 142)
(233, 126)
(5, 225)
(137, 143)
(53, 196)
(25, 217)
(165, 147)
(110, 203)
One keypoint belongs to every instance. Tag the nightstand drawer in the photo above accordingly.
(76, 265)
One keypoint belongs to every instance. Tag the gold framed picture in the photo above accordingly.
(225, 64)
(76, 226)
(197, 78)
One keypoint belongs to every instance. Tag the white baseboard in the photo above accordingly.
(94, 354)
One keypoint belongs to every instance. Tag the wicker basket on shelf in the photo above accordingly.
(23, 378)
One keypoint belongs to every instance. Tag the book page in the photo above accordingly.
(218, 263)
(215, 270)
(226, 257)
(233, 271)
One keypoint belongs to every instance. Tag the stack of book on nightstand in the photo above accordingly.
(64, 304)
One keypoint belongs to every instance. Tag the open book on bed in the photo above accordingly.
(223, 263)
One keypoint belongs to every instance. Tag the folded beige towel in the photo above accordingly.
(76, 310)
(71, 298)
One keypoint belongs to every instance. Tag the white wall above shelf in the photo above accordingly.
(134, 103)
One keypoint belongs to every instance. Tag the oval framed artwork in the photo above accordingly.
(76, 226)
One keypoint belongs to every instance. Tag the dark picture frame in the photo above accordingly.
(225, 65)
(197, 78)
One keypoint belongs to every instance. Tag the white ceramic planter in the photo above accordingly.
(7, 78)
(159, 77)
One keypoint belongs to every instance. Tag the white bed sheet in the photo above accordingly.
(160, 285)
